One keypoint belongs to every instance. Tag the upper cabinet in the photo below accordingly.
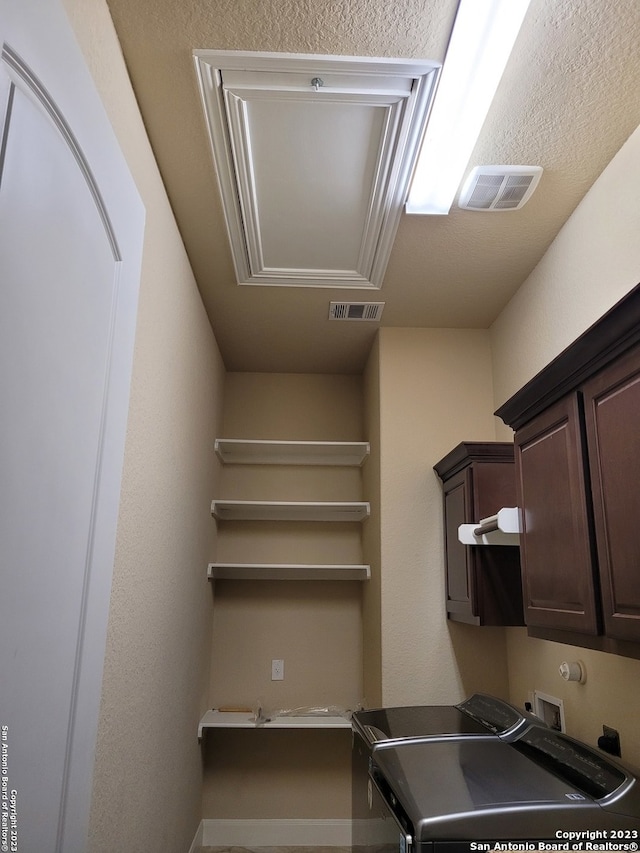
(483, 581)
(612, 418)
(578, 473)
(555, 543)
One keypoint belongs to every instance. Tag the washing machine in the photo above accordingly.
(541, 791)
(480, 716)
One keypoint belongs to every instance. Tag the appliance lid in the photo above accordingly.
(498, 716)
(483, 787)
(479, 715)
(392, 724)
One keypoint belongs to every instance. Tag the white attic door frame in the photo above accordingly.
(313, 178)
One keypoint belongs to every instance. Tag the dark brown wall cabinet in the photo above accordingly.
(612, 417)
(578, 475)
(483, 581)
(555, 543)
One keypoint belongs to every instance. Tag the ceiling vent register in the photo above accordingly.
(356, 310)
(498, 188)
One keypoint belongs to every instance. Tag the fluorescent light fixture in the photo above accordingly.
(483, 36)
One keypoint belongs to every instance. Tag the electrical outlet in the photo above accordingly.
(610, 741)
(277, 670)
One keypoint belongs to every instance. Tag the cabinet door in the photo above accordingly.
(612, 406)
(461, 604)
(495, 569)
(71, 236)
(555, 545)
(483, 582)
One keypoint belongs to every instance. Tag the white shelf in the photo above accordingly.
(288, 571)
(289, 511)
(249, 452)
(246, 720)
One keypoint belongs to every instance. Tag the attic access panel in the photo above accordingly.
(314, 155)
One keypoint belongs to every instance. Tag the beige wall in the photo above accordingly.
(147, 779)
(592, 263)
(314, 626)
(435, 391)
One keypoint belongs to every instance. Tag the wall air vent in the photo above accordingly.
(499, 187)
(355, 310)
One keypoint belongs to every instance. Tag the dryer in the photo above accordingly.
(540, 791)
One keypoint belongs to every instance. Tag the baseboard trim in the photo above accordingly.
(276, 833)
(197, 838)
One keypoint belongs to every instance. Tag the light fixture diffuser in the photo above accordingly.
(483, 36)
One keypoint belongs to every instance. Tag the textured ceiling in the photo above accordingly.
(569, 98)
